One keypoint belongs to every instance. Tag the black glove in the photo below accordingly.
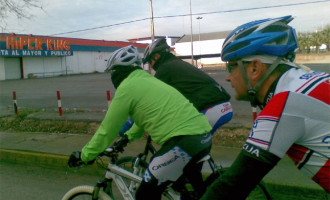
(75, 159)
(121, 143)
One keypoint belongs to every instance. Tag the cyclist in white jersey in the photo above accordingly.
(295, 116)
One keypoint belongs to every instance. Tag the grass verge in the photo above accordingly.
(233, 137)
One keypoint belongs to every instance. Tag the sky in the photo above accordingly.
(127, 19)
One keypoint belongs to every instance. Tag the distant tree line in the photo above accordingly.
(311, 42)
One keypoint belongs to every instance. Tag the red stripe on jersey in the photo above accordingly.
(322, 177)
(297, 153)
(274, 107)
(322, 92)
(307, 83)
(267, 117)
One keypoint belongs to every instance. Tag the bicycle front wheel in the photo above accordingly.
(84, 192)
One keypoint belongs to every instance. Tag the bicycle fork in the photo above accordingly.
(105, 185)
(136, 170)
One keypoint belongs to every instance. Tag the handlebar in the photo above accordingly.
(110, 152)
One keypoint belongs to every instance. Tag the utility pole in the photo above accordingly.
(152, 23)
(152, 29)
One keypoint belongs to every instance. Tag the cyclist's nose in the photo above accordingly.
(228, 77)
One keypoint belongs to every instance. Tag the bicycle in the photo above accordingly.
(114, 173)
(139, 163)
(127, 173)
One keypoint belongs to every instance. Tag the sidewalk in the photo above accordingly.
(53, 150)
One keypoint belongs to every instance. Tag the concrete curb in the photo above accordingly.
(47, 160)
(32, 158)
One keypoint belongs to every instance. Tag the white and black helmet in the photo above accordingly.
(126, 56)
(158, 46)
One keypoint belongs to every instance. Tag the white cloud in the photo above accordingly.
(64, 16)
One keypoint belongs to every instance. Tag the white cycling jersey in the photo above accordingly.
(218, 115)
(296, 121)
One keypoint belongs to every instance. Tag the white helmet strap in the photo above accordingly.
(252, 91)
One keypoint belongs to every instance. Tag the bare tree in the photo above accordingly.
(18, 8)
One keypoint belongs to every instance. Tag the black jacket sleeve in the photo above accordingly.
(242, 177)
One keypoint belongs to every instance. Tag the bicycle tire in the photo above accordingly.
(259, 192)
(84, 192)
(127, 162)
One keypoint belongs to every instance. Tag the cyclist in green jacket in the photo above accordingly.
(157, 108)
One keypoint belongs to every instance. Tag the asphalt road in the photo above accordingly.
(89, 91)
(30, 182)
(36, 183)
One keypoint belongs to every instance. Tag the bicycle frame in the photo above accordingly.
(148, 148)
(215, 172)
(115, 173)
(142, 157)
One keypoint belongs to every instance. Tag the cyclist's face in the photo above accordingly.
(153, 59)
(152, 62)
(237, 82)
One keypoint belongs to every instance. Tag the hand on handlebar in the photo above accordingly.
(121, 143)
(118, 146)
(75, 160)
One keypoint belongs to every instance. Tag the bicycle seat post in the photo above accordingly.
(214, 167)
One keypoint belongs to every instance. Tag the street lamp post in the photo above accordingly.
(199, 37)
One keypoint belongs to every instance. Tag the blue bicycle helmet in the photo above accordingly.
(268, 36)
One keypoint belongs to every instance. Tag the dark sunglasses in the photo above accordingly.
(231, 66)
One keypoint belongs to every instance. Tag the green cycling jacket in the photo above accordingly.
(155, 107)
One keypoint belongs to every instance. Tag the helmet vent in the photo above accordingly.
(274, 28)
(127, 59)
(245, 33)
(282, 40)
(238, 46)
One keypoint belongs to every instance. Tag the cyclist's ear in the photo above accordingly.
(255, 70)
